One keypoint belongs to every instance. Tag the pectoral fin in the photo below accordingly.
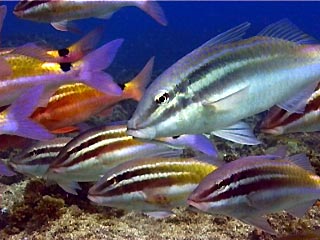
(228, 102)
(301, 209)
(239, 133)
(259, 222)
(159, 214)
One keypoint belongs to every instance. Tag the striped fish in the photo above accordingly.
(226, 80)
(279, 121)
(254, 186)
(58, 13)
(34, 160)
(91, 154)
(153, 185)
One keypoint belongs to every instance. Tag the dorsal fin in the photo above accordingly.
(284, 29)
(231, 35)
(302, 161)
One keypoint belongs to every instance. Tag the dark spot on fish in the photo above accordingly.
(122, 86)
(175, 137)
(63, 52)
(65, 66)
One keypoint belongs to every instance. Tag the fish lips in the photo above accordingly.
(202, 206)
(143, 133)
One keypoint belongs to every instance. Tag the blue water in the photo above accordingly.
(190, 25)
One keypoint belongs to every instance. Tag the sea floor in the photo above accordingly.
(32, 209)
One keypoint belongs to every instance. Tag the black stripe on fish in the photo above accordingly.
(27, 4)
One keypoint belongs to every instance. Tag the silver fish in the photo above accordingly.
(88, 156)
(58, 13)
(151, 185)
(251, 187)
(226, 80)
(34, 161)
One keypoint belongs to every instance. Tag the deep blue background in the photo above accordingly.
(190, 25)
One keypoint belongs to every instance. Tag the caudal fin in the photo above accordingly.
(95, 62)
(153, 9)
(18, 121)
(136, 87)
(79, 49)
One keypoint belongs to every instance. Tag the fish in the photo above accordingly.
(279, 121)
(251, 187)
(74, 103)
(58, 13)
(227, 79)
(15, 119)
(34, 160)
(89, 155)
(151, 185)
(18, 75)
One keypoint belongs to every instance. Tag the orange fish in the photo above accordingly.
(74, 103)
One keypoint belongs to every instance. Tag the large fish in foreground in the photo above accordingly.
(226, 80)
(278, 121)
(151, 185)
(58, 13)
(92, 153)
(251, 187)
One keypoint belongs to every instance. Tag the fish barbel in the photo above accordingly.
(74, 103)
(226, 80)
(92, 153)
(19, 72)
(251, 187)
(58, 13)
(151, 185)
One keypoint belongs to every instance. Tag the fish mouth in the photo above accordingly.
(141, 133)
(196, 206)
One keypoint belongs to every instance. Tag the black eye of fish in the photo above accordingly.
(162, 98)
(65, 66)
(63, 52)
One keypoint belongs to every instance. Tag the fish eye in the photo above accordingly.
(162, 97)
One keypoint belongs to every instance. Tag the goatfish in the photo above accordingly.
(151, 185)
(251, 187)
(18, 74)
(278, 121)
(58, 13)
(89, 155)
(34, 161)
(15, 119)
(228, 79)
(75, 103)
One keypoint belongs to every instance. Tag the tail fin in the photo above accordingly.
(153, 9)
(95, 62)
(136, 87)
(79, 49)
(18, 121)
